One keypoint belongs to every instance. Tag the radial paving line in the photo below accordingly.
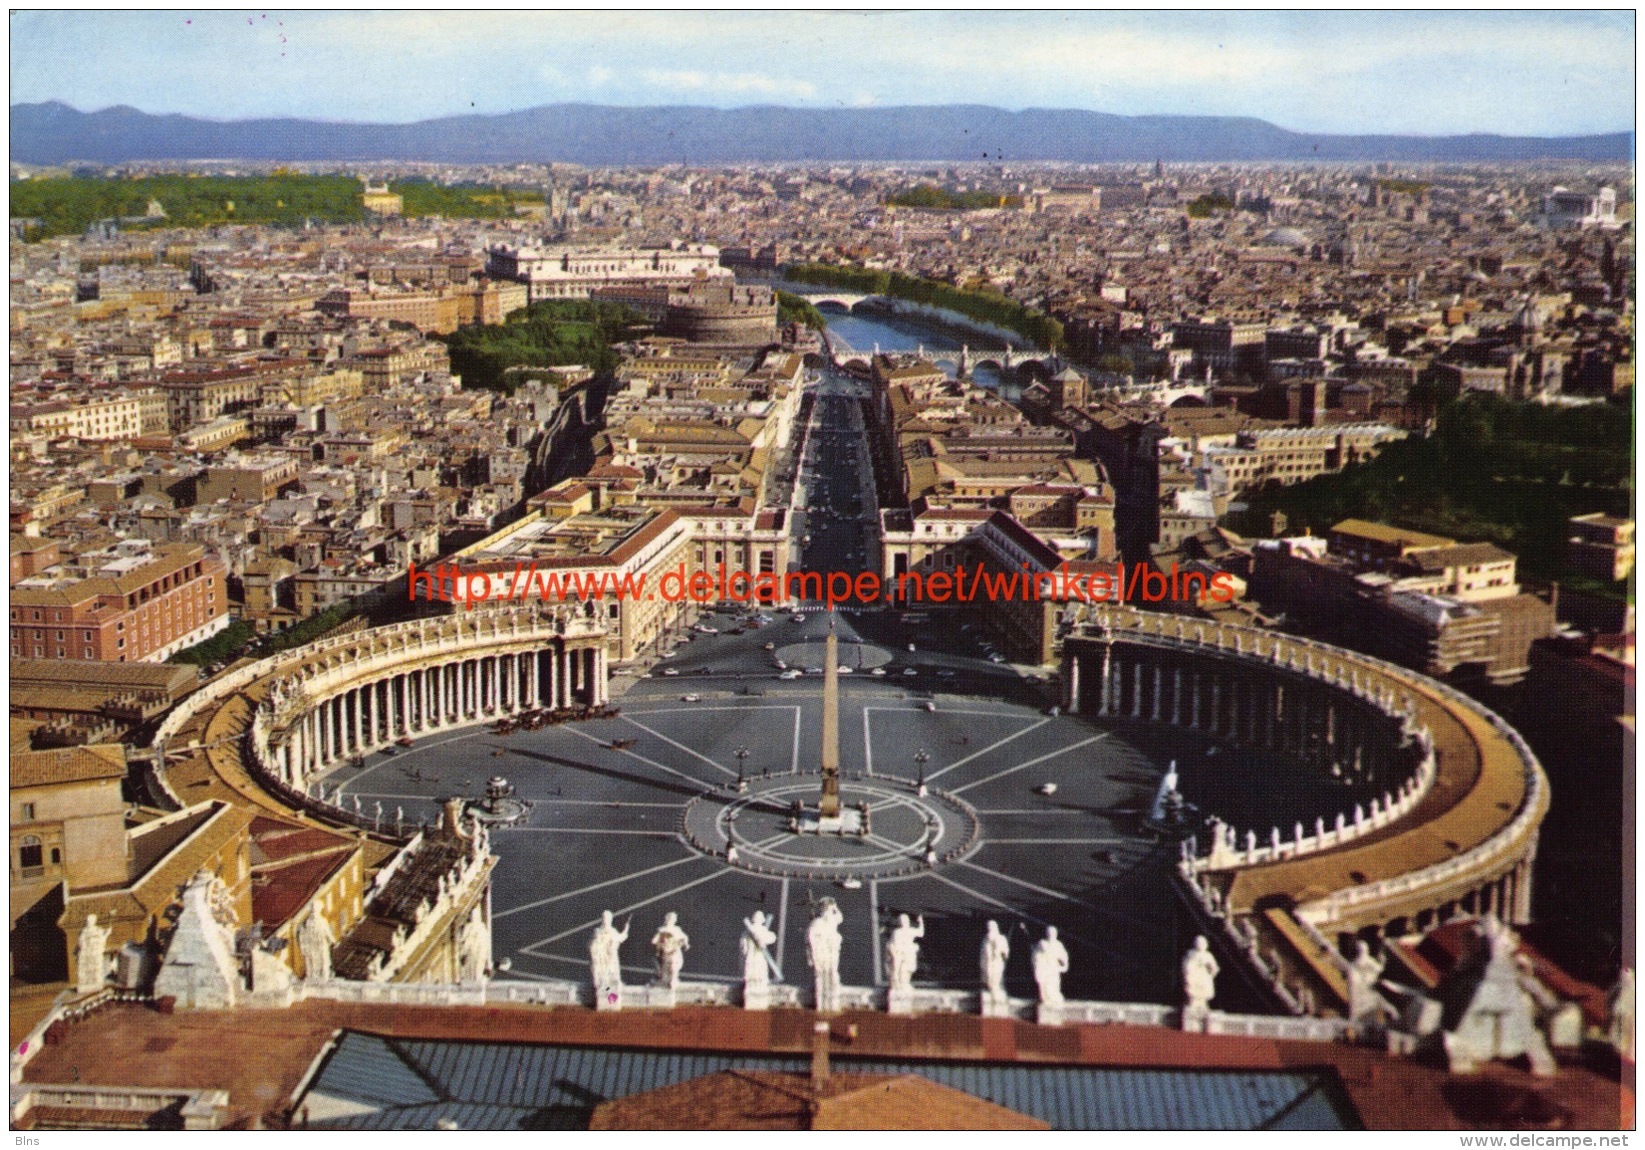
(649, 762)
(530, 948)
(594, 887)
(874, 917)
(985, 750)
(782, 924)
(867, 744)
(794, 766)
(1052, 842)
(695, 754)
(1057, 894)
(1022, 914)
(1032, 762)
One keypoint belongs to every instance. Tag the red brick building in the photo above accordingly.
(137, 603)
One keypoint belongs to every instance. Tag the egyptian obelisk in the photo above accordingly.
(829, 806)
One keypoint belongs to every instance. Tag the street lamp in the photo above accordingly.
(742, 756)
(920, 759)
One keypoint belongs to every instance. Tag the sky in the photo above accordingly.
(1517, 73)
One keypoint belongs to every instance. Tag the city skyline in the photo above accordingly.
(1515, 73)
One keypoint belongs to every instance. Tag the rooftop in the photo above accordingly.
(513, 1066)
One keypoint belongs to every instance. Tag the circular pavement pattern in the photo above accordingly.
(906, 833)
(633, 814)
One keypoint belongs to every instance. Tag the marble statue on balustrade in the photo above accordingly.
(670, 943)
(1363, 975)
(91, 967)
(1199, 984)
(1488, 1011)
(757, 937)
(822, 944)
(996, 949)
(605, 962)
(902, 952)
(314, 941)
(1050, 964)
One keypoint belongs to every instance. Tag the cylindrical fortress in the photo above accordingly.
(722, 313)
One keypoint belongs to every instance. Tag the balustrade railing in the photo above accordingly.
(1343, 668)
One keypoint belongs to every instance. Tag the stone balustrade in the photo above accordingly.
(1226, 854)
(198, 1109)
(922, 1000)
(1237, 706)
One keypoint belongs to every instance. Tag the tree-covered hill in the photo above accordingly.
(1493, 470)
(68, 205)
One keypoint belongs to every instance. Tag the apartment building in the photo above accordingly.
(132, 602)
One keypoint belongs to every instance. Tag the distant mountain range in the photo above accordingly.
(54, 133)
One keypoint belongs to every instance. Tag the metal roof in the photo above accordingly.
(373, 1083)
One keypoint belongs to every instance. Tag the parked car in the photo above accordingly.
(691, 698)
(671, 671)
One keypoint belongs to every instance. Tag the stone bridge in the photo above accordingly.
(960, 361)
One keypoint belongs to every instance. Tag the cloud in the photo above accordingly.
(735, 83)
(1543, 72)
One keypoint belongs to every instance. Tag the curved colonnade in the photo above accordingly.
(270, 728)
(1447, 798)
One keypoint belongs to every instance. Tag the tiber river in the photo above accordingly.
(863, 331)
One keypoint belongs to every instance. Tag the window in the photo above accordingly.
(29, 854)
(28, 812)
(56, 857)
